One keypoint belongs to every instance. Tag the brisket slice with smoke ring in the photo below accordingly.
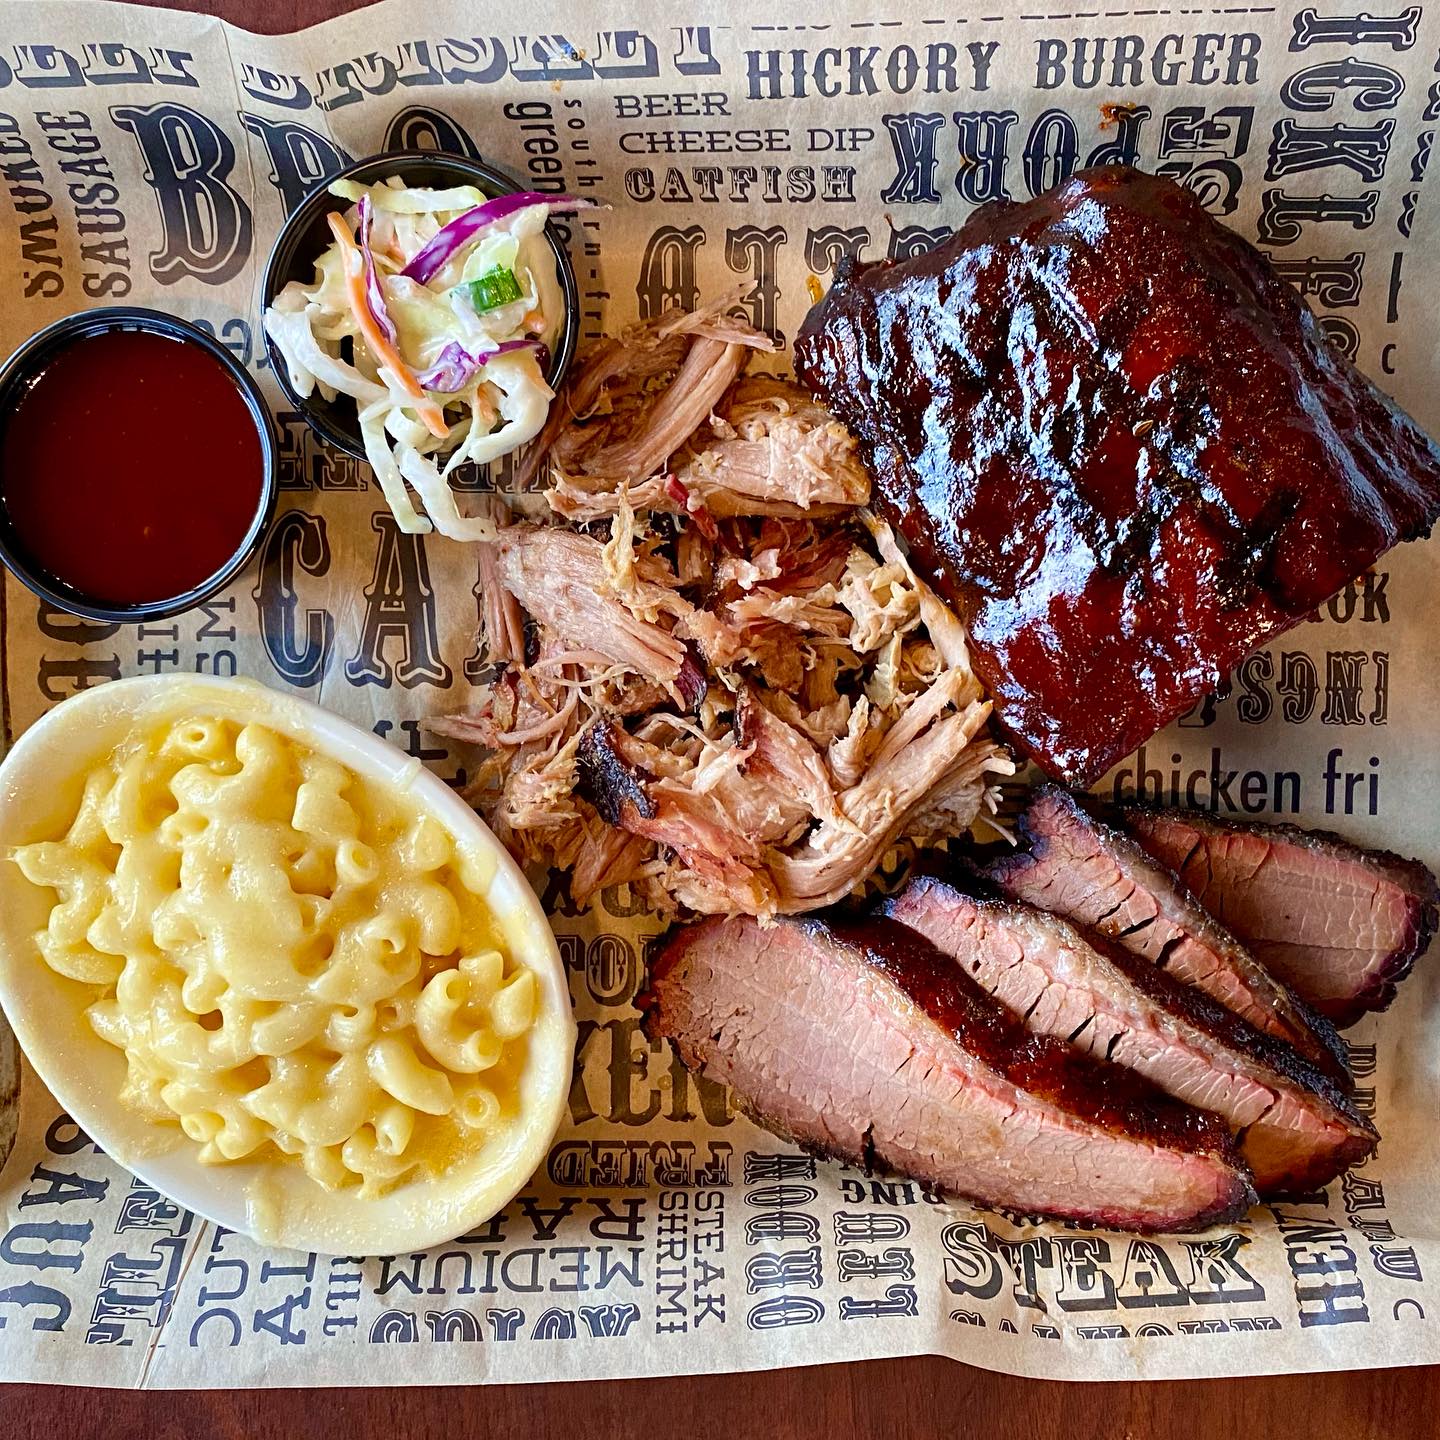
(1120, 443)
(1079, 867)
(862, 1041)
(1339, 924)
(1297, 1130)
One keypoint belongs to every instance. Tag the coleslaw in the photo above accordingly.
(434, 310)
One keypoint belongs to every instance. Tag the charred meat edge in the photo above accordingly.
(1272, 1063)
(1285, 1014)
(1105, 1097)
(1375, 988)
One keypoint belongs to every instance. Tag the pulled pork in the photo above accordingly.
(738, 696)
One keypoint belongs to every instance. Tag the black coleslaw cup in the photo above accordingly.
(306, 234)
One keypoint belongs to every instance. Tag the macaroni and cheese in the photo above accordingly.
(292, 958)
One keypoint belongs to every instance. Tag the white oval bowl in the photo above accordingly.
(271, 1200)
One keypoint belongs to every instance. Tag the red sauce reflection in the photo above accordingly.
(131, 469)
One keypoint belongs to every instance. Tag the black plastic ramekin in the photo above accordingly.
(305, 235)
(26, 363)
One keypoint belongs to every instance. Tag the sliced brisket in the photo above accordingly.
(1296, 1128)
(1081, 868)
(864, 1042)
(1339, 924)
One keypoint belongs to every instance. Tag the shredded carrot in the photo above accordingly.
(431, 415)
(534, 322)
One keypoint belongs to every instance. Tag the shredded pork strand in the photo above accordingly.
(733, 693)
(563, 578)
(503, 622)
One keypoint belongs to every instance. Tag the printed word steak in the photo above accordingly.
(1117, 440)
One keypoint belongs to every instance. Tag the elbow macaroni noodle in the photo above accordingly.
(289, 956)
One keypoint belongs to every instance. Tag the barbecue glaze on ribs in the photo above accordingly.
(1119, 442)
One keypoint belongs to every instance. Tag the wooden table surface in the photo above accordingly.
(883, 1398)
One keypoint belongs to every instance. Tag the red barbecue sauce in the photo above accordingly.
(131, 469)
